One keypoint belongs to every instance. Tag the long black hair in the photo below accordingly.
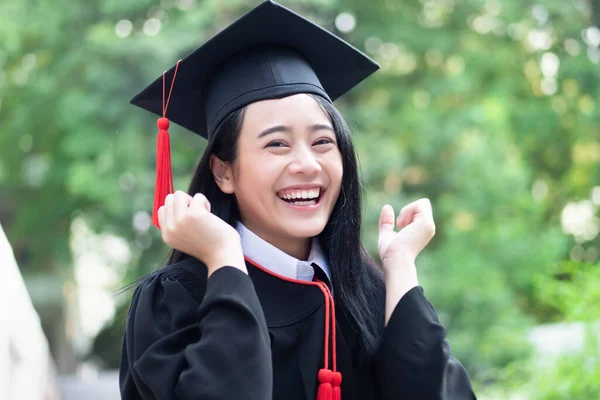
(357, 280)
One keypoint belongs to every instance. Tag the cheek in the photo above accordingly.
(336, 172)
(257, 177)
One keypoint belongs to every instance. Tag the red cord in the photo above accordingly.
(329, 381)
(165, 106)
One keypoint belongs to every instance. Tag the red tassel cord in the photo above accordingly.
(164, 175)
(325, 391)
(336, 377)
(329, 380)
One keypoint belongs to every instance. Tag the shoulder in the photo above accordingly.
(171, 287)
(189, 274)
(168, 297)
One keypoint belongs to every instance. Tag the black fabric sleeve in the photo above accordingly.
(175, 348)
(413, 361)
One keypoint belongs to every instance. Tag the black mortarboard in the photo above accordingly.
(270, 52)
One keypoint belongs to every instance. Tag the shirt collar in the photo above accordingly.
(275, 260)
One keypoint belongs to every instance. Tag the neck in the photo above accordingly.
(296, 247)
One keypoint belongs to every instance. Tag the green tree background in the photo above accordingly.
(488, 108)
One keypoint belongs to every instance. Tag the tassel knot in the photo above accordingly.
(163, 124)
(325, 389)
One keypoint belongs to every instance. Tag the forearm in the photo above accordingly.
(413, 360)
(400, 277)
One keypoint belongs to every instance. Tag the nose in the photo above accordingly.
(304, 161)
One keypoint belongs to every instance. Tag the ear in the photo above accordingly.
(223, 174)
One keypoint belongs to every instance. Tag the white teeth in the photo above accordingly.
(302, 194)
(304, 203)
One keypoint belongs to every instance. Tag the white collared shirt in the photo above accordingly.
(275, 260)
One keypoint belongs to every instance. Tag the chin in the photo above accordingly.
(305, 229)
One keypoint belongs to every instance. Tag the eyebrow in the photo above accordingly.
(287, 129)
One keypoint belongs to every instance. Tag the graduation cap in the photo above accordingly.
(270, 52)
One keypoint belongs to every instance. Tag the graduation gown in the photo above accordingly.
(260, 337)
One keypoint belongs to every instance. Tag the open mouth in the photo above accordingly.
(309, 197)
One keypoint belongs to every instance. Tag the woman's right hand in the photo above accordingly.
(188, 225)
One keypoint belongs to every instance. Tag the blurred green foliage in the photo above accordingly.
(576, 375)
(488, 108)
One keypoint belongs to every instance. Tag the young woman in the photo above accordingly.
(269, 293)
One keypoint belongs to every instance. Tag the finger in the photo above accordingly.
(426, 215)
(405, 215)
(406, 218)
(425, 206)
(422, 211)
(386, 221)
(169, 215)
(161, 216)
(420, 208)
(186, 197)
(181, 201)
(199, 204)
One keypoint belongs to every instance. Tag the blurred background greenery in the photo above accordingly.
(489, 108)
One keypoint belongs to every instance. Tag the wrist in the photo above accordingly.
(397, 264)
(401, 271)
(400, 277)
(231, 255)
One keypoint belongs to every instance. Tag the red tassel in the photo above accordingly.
(164, 175)
(336, 381)
(325, 390)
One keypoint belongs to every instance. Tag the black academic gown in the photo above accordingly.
(258, 337)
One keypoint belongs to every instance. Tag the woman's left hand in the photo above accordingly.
(417, 227)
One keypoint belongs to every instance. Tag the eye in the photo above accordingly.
(323, 141)
(276, 143)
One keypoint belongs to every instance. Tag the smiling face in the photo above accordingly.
(288, 171)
